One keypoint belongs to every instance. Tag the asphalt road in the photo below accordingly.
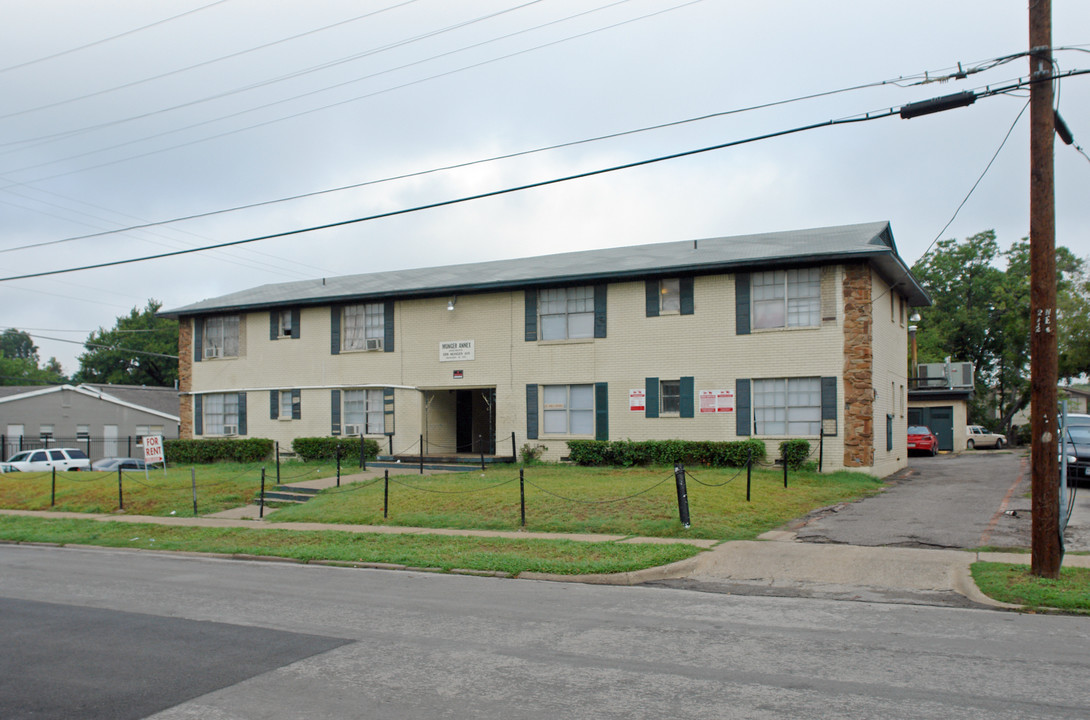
(381, 644)
(947, 501)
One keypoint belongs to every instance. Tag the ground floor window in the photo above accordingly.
(569, 409)
(220, 414)
(364, 411)
(787, 406)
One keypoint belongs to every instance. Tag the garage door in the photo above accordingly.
(939, 419)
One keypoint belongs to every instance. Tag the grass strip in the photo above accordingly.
(1017, 585)
(514, 556)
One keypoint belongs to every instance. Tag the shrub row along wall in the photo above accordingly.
(326, 448)
(665, 452)
(210, 450)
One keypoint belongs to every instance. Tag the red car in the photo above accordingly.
(921, 438)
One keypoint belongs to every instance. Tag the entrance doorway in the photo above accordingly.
(939, 419)
(475, 420)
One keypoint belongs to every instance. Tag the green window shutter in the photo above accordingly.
(242, 413)
(743, 414)
(388, 411)
(295, 323)
(651, 397)
(335, 412)
(599, 311)
(651, 293)
(531, 316)
(296, 404)
(889, 432)
(601, 411)
(388, 326)
(274, 324)
(687, 304)
(274, 404)
(531, 412)
(741, 303)
(687, 390)
(198, 339)
(828, 405)
(335, 330)
(198, 415)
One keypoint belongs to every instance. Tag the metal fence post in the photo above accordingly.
(821, 447)
(783, 453)
(277, 462)
(682, 494)
(480, 446)
(749, 471)
(120, 499)
(363, 454)
(522, 494)
(386, 494)
(261, 510)
(53, 493)
(193, 480)
(514, 452)
(338, 465)
(421, 454)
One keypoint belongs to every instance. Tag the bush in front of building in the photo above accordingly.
(627, 453)
(326, 448)
(796, 452)
(212, 450)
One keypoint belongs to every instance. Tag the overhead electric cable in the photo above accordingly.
(111, 38)
(187, 68)
(107, 347)
(324, 107)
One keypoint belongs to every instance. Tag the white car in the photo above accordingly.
(43, 460)
(979, 437)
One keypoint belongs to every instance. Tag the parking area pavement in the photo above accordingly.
(965, 500)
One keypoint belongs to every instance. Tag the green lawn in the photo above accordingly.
(626, 501)
(218, 487)
(1015, 584)
(562, 557)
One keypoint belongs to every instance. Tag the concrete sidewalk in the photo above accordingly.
(774, 565)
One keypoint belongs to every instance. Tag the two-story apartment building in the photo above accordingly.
(778, 335)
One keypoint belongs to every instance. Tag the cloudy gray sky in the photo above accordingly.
(117, 113)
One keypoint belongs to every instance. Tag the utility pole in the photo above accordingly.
(1047, 553)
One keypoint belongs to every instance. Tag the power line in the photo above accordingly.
(111, 38)
(331, 105)
(467, 198)
(177, 71)
(106, 347)
(456, 166)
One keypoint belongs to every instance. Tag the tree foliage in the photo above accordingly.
(981, 314)
(19, 361)
(141, 349)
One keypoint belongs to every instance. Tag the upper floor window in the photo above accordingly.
(566, 313)
(787, 298)
(670, 295)
(569, 409)
(221, 336)
(285, 323)
(364, 326)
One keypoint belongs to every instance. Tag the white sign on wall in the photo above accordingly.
(716, 401)
(153, 449)
(455, 350)
(637, 400)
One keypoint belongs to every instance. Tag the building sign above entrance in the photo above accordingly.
(455, 350)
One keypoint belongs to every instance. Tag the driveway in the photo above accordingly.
(967, 500)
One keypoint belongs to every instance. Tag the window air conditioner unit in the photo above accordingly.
(211, 352)
(374, 343)
(353, 430)
(230, 429)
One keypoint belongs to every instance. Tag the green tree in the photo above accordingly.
(25, 371)
(981, 314)
(18, 344)
(141, 349)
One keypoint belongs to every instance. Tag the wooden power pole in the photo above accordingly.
(1047, 552)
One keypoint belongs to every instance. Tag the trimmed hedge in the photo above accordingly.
(627, 453)
(325, 448)
(211, 450)
(797, 452)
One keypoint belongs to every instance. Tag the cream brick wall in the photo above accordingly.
(702, 345)
(890, 375)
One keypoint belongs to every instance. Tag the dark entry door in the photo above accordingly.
(939, 419)
(475, 419)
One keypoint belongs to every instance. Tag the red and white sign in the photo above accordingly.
(716, 401)
(153, 449)
(637, 400)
